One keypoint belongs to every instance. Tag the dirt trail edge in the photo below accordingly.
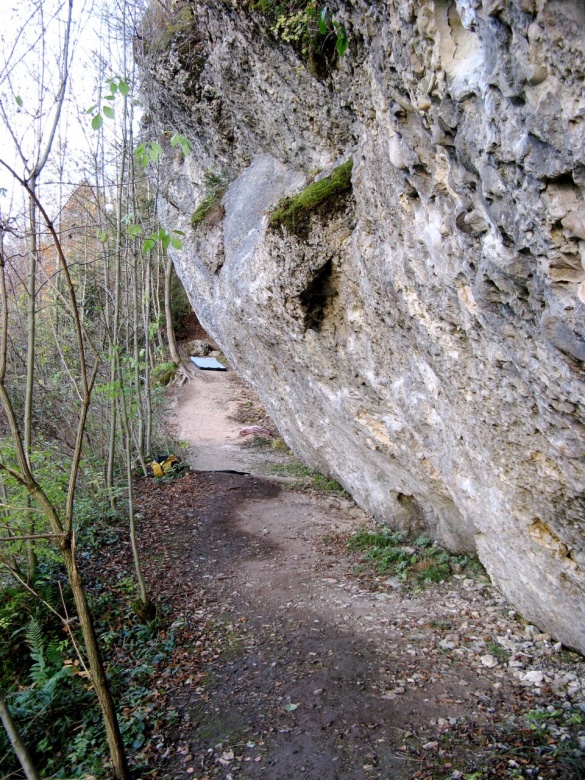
(316, 677)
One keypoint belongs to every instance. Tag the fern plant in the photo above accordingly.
(46, 672)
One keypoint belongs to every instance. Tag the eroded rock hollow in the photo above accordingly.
(418, 333)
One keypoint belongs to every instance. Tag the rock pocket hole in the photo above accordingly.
(316, 296)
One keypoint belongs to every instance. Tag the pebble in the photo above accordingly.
(468, 617)
(535, 677)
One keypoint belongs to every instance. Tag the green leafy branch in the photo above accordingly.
(183, 142)
(167, 239)
(101, 110)
(150, 151)
(326, 21)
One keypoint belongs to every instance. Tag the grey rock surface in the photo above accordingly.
(423, 340)
(199, 348)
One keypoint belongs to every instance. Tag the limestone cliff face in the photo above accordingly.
(421, 338)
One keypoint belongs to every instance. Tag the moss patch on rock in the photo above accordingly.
(217, 184)
(293, 213)
(210, 204)
(162, 26)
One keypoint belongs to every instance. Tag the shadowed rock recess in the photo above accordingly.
(419, 334)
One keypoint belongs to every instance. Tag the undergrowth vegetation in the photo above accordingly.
(303, 473)
(543, 743)
(43, 666)
(416, 561)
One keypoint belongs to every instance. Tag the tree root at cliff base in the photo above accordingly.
(183, 374)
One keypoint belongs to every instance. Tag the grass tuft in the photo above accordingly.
(416, 562)
(300, 471)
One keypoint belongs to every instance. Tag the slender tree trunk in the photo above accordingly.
(136, 297)
(115, 317)
(175, 357)
(96, 666)
(148, 355)
(59, 529)
(18, 745)
(184, 371)
(30, 363)
(156, 299)
(146, 610)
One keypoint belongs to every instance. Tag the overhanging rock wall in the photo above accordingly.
(421, 338)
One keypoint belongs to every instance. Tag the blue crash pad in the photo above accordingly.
(208, 364)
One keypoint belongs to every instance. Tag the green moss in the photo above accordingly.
(294, 212)
(265, 7)
(168, 26)
(204, 209)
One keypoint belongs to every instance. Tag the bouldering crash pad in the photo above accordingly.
(208, 364)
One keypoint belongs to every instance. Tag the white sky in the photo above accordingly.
(31, 43)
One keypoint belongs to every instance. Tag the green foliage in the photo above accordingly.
(311, 28)
(314, 478)
(294, 212)
(499, 652)
(183, 142)
(55, 709)
(148, 152)
(180, 304)
(101, 110)
(49, 698)
(417, 562)
(46, 669)
(51, 470)
(163, 373)
(169, 26)
(18, 609)
(165, 238)
(216, 184)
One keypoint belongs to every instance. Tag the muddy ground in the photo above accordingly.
(297, 661)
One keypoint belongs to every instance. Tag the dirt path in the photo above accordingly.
(203, 415)
(319, 677)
